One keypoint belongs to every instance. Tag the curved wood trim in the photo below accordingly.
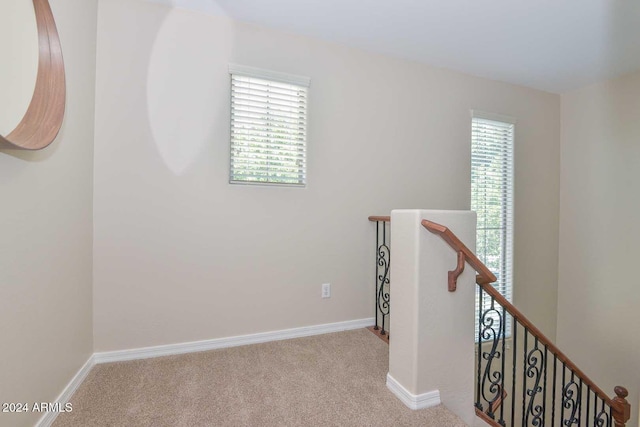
(380, 218)
(486, 418)
(454, 274)
(453, 241)
(43, 119)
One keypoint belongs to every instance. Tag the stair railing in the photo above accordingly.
(382, 278)
(522, 378)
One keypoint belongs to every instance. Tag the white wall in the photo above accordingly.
(599, 293)
(46, 249)
(181, 255)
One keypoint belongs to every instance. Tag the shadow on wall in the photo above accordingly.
(187, 83)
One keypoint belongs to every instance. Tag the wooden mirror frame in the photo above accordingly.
(43, 119)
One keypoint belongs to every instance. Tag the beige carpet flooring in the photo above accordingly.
(327, 380)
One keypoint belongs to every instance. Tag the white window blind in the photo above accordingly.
(268, 127)
(492, 199)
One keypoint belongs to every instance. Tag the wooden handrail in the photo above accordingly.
(374, 218)
(619, 404)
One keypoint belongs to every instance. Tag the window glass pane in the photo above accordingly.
(268, 131)
(492, 199)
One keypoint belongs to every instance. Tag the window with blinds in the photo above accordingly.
(268, 127)
(492, 199)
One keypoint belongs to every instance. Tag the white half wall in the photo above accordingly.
(431, 346)
(181, 255)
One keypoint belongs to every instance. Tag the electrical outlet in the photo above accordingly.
(326, 290)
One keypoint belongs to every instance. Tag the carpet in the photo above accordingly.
(326, 380)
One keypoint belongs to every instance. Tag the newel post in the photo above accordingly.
(621, 408)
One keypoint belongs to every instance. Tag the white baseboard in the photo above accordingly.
(413, 401)
(213, 344)
(49, 417)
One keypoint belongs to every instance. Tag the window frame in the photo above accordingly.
(271, 77)
(505, 274)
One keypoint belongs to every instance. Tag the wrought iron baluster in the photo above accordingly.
(580, 403)
(504, 356)
(588, 402)
(513, 373)
(602, 419)
(376, 275)
(553, 394)
(570, 401)
(535, 366)
(524, 374)
(491, 327)
(564, 369)
(383, 263)
(479, 354)
(544, 386)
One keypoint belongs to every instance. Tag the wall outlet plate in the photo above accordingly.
(326, 290)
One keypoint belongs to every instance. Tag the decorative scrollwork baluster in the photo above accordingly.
(534, 369)
(571, 401)
(384, 262)
(602, 418)
(491, 332)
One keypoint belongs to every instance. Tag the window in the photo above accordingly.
(268, 127)
(492, 199)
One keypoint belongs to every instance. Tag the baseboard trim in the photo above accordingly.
(49, 417)
(213, 344)
(413, 401)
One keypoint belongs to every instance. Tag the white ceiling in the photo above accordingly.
(553, 45)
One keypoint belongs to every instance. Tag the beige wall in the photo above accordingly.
(434, 329)
(599, 294)
(19, 48)
(181, 255)
(46, 249)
